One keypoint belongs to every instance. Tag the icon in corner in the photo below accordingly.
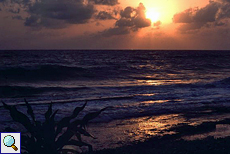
(10, 142)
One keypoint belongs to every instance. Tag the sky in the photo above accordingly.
(115, 24)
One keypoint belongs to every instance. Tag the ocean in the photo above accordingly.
(137, 85)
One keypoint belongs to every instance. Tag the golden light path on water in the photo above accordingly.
(122, 132)
(165, 82)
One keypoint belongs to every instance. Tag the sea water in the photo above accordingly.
(133, 83)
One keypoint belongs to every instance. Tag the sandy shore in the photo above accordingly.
(170, 145)
(208, 137)
(204, 132)
(120, 133)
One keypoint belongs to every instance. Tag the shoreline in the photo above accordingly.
(170, 145)
(214, 138)
(122, 133)
(188, 126)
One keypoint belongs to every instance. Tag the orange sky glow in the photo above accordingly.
(114, 24)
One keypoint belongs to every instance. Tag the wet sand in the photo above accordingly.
(189, 126)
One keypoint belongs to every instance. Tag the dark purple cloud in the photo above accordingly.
(18, 17)
(14, 11)
(105, 2)
(184, 17)
(49, 13)
(115, 31)
(206, 14)
(211, 15)
(103, 15)
(127, 12)
(131, 19)
(58, 13)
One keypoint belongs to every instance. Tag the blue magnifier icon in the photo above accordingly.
(9, 141)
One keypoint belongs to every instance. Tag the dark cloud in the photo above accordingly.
(32, 21)
(36, 22)
(141, 22)
(127, 12)
(206, 14)
(184, 17)
(228, 1)
(59, 13)
(209, 16)
(105, 2)
(22, 3)
(131, 19)
(14, 11)
(190, 28)
(115, 31)
(224, 11)
(48, 13)
(220, 23)
(125, 22)
(18, 17)
(103, 15)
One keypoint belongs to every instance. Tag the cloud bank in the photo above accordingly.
(58, 13)
(131, 20)
(215, 14)
(105, 2)
(52, 13)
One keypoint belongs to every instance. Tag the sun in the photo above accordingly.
(152, 15)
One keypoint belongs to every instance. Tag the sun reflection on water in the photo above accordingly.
(120, 132)
(145, 94)
(158, 125)
(161, 101)
(157, 82)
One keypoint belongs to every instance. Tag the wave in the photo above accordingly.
(27, 91)
(222, 83)
(60, 72)
(30, 91)
(225, 81)
(70, 101)
(43, 72)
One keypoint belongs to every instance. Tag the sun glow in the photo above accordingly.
(152, 15)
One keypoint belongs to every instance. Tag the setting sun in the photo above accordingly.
(152, 15)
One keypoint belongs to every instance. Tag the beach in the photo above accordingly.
(149, 94)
